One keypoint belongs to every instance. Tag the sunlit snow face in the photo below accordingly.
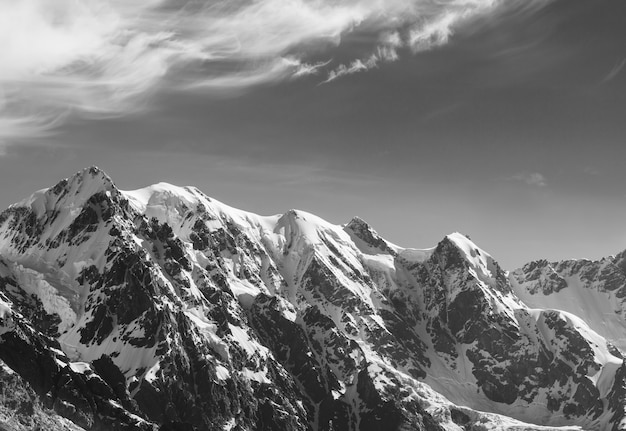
(104, 57)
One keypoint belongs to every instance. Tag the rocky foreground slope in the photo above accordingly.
(162, 308)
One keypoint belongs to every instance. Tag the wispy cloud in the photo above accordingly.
(104, 57)
(614, 71)
(530, 178)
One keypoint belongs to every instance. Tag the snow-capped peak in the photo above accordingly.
(298, 226)
(73, 191)
(160, 197)
(367, 239)
(479, 261)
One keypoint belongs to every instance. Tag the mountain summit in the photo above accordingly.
(162, 308)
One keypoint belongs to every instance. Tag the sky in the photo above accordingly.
(500, 119)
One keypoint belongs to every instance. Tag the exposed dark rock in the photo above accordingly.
(21, 409)
(459, 418)
(70, 394)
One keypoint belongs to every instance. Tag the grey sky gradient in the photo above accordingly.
(512, 130)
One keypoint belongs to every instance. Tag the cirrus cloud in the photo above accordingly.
(104, 57)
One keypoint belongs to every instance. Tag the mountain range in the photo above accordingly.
(165, 309)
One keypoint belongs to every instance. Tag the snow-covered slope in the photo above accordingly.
(593, 290)
(163, 307)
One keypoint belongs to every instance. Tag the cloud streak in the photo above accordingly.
(531, 178)
(105, 57)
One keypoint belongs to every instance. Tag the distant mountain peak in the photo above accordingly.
(463, 251)
(76, 190)
(88, 180)
(362, 230)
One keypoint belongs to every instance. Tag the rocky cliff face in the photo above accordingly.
(162, 308)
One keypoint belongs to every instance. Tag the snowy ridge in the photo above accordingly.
(164, 295)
